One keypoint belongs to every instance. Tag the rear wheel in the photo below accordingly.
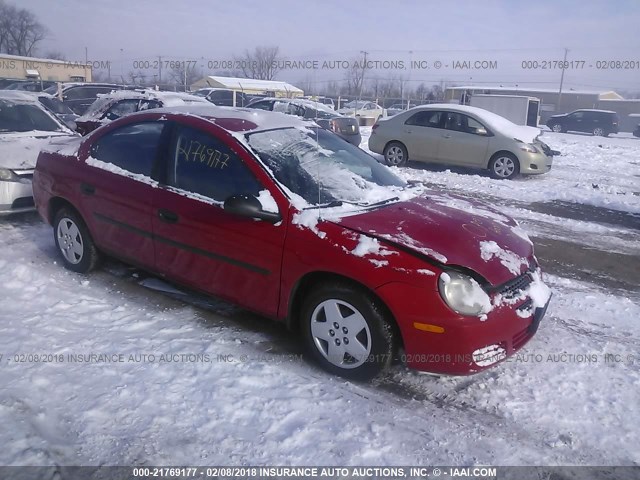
(74, 241)
(557, 128)
(504, 166)
(395, 154)
(347, 331)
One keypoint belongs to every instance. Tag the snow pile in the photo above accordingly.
(508, 259)
(365, 246)
(267, 201)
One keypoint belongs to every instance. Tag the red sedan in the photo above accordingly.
(293, 223)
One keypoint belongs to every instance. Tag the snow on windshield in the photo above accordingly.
(322, 168)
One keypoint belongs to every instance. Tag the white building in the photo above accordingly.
(250, 86)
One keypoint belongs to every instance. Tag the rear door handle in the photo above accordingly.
(446, 135)
(168, 216)
(87, 189)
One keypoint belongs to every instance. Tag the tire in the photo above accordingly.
(599, 132)
(504, 166)
(347, 331)
(74, 242)
(395, 154)
(556, 127)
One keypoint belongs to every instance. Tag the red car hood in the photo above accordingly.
(452, 231)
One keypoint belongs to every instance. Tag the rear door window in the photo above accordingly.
(133, 147)
(426, 118)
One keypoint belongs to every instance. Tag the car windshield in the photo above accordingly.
(55, 105)
(322, 168)
(200, 93)
(98, 106)
(24, 117)
(52, 90)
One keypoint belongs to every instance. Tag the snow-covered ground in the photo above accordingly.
(191, 382)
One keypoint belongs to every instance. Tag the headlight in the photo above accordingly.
(7, 175)
(463, 294)
(527, 147)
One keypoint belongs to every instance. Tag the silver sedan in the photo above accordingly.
(463, 136)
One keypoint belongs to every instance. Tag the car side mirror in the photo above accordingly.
(481, 131)
(249, 206)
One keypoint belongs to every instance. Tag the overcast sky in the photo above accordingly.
(507, 31)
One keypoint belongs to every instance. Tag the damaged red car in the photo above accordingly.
(289, 221)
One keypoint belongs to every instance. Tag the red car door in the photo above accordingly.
(200, 244)
(117, 191)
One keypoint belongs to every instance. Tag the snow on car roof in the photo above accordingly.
(492, 120)
(304, 102)
(235, 119)
(19, 96)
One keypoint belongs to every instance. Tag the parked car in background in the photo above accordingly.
(598, 122)
(464, 136)
(111, 106)
(346, 127)
(78, 96)
(398, 108)
(25, 127)
(324, 100)
(223, 97)
(363, 108)
(293, 223)
(59, 109)
(30, 85)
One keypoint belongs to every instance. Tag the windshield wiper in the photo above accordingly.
(338, 203)
(382, 202)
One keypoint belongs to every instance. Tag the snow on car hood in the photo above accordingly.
(20, 150)
(451, 231)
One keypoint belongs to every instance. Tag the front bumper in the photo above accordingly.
(461, 345)
(17, 196)
(534, 163)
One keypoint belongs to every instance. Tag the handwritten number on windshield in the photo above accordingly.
(196, 151)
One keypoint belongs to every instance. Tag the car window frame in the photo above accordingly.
(415, 114)
(167, 160)
(160, 153)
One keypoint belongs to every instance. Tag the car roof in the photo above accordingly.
(305, 102)
(233, 119)
(593, 110)
(88, 84)
(19, 96)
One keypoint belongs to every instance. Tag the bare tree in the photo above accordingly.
(55, 55)
(20, 31)
(261, 64)
(184, 74)
(355, 76)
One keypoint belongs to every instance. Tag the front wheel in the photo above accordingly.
(395, 154)
(599, 132)
(74, 241)
(504, 166)
(347, 332)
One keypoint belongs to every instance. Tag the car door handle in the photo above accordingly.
(446, 135)
(87, 189)
(168, 216)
